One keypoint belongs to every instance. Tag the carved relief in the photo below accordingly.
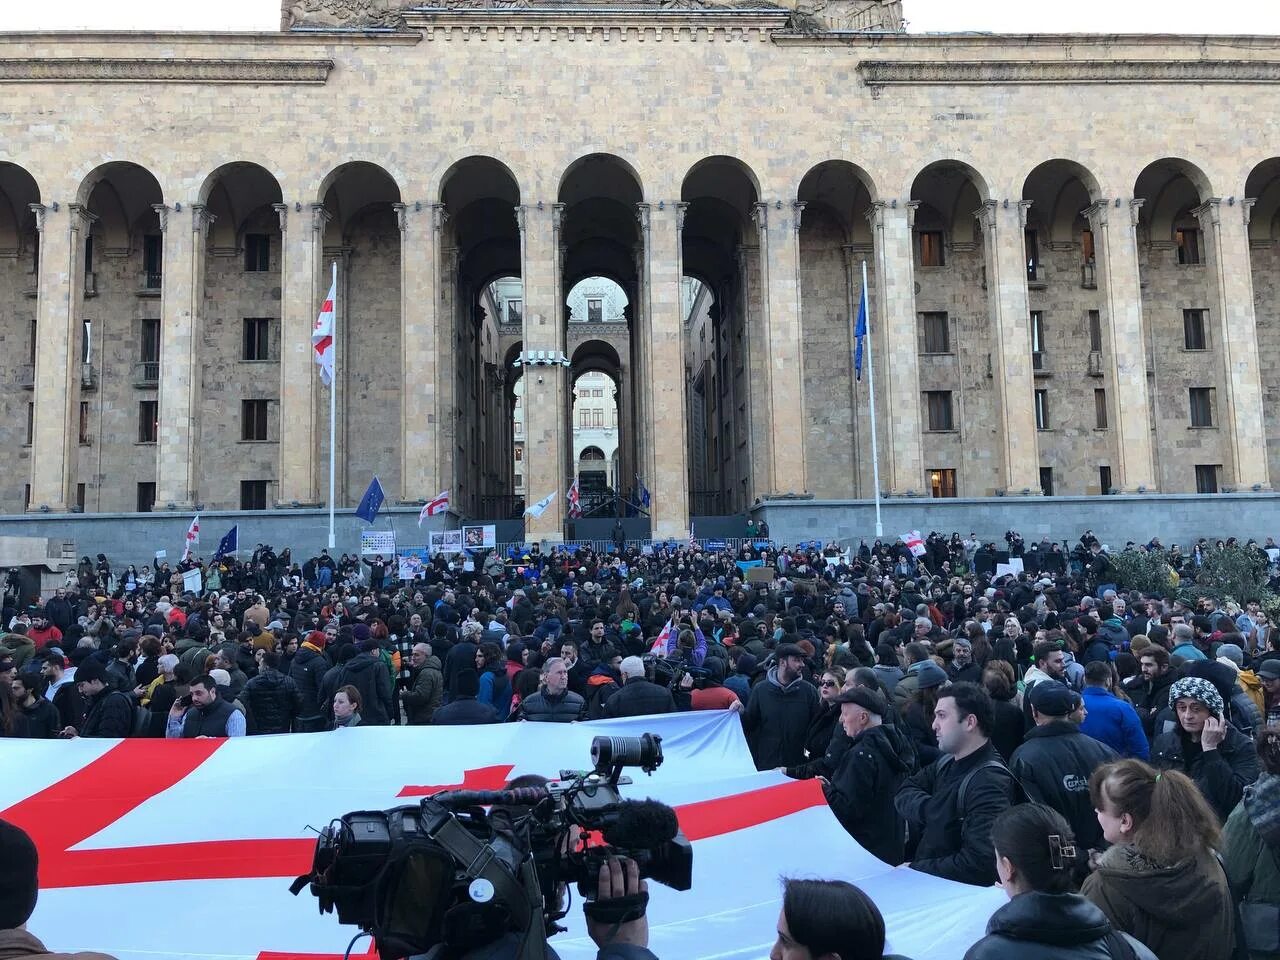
(341, 13)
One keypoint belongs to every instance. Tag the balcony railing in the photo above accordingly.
(146, 373)
(27, 376)
(1089, 275)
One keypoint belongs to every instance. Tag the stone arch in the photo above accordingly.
(121, 194)
(954, 189)
(1059, 191)
(579, 174)
(1171, 188)
(843, 188)
(18, 189)
(1263, 187)
(237, 193)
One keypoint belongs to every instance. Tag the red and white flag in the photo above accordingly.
(193, 537)
(322, 332)
(914, 543)
(693, 541)
(575, 501)
(439, 505)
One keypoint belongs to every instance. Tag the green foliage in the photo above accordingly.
(1232, 573)
(1146, 571)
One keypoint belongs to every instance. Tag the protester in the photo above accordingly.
(638, 696)
(822, 919)
(346, 707)
(273, 701)
(207, 715)
(779, 712)
(423, 696)
(1251, 852)
(1109, 719)
(465, 708)
(554, 702)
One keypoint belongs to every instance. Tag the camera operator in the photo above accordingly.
(638, 696)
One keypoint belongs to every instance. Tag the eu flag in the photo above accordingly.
(860, 332)
(371, 502)
(229, 544)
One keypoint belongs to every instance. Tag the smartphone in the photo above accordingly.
(185, 700)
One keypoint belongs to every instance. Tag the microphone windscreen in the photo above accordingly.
(642, 823)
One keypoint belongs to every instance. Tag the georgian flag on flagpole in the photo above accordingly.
(914, 543)
(575, 500)
(439, 505)
(322, 335)
(193, 537)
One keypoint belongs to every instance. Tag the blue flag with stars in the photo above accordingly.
(860, 332)
(371, 502)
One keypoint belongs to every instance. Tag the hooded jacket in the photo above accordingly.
(1053, 766)
(422, 700)
(1050, 926)
(1182, 911)
(273, 702)
(307, 670)
(19, 647)
(862, 789)
(777, 719)
(905, 689)
(1221, 774)
(366, 673)
(601, 685)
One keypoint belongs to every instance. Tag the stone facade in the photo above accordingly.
(141, 175)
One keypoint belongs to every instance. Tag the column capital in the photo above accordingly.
(1097, 213)
(439, 216)
(1246, 209)
(202, 220)
(520, 216)
(39, 210)
(1024, 208)
(319, 217)
(798, 206)
(643, 214)
(162, 212)
(401, 210)
(557, 216)
(282, 213)
(986, 214)
(80, 216)
(1209, 212)
(1135, 211)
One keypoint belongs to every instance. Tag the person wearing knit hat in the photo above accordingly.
(19, 890)
(307, 670)
(1218, 757)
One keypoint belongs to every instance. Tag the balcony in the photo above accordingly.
(88, 379)
(1089, 275)
(146, 374)
(1036, 275)
(149, 284)
(90, 283)
(1095, 364)
(27, 376)
(1040, 364)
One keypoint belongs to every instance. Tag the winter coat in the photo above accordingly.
(273, 701)
(1182, 911)
(495, 690)
(541, 707)
(777, 719)
(463, 711)
(1250, 848)
(1053, 766)
(17, 647)
(1050, 926)
(816, 741)
(904, 690)
(461, 656)
(109, 714)
(307, 670)
(366, 673)
(422, 700)
(1221, 774)
(21, 945)
(601, 686)
(1114, 722)
(639, 697)
(956, 843)
(862, 788)
(1008, 726)
(889, 676)
(42, 720)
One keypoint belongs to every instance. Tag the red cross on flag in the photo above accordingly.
(914, 543)
(193, 537)
(322, 333)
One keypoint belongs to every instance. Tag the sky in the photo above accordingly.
(994, 16)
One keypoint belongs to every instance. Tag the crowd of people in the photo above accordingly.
(1111, 757)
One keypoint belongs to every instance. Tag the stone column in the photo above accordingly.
(1003, 225)
(181, 296)
(755, 390)
(665, 383)
(1226, 232)
(895, 343)
(302, 260)
(1116, 241)
(59, 298)
(641, 359)
(546, 387)
(783, 407)
(420, 226)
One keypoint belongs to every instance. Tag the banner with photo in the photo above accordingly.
(480, 537)
(448, 542)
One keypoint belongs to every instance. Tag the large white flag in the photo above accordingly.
(322, 333)
(193, 537)
(540, 507)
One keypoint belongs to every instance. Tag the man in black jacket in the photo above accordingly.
(951, 804)
(554, 702)
(1055, 761)
(108, 712)
(307, 670)
(273, 700)
(367, 673)
(42, 716)
(638, 696)
(779, 712)
(465, 709)
(862, 788)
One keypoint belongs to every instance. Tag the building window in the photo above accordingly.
(1201, 406)
(253, 419)
(86, 342)
(80, 490)
(519, 453)
(1087, 254)
(148, 420)
(595, 310)
(31, 356)
(937, 333)
(1100, 409)
(519, 402)
(942, 482)
(31, 423)
(519, 479)
(519, 429)
(1188, 240)
(253, 494)
(597, 418)
(515, 311)
(26, 497)
(1095, 331)
(257, 338)
(1037, 340)
(1042, 409)
(1193, 330)
(153, 259)
(931, 254)
(1032, 242)
(149, 344)
(84, 422)
(938, 405)
(584, 418)
(1207, 477)
(88, 254)
(1046, 481)
(257, 252)
(146, 497)
(1104, 480)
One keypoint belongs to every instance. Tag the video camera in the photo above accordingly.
(670, 673)
(443, 878)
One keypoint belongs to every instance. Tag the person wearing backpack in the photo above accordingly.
(950, 805)
(1251, 852)
(108, 712)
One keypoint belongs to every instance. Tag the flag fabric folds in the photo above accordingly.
(371, 502)
(322, 335)
(539, 508)
(229, 544)
(860, 332)
(439, 505)
(575, 500)
(193, 537)
(644, 493)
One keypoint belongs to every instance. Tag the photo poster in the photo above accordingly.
(480, 537)
(412, 562)
(377, 542)
(1010, 569)
(448, 542)
(191, 580)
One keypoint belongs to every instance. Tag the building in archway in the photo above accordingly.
(1071, 259)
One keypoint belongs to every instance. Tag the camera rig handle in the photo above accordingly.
(521, 796)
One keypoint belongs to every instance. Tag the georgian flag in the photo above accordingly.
(439, 505)
(322, 332)
(575, 501)
(193, 537)
(914, 543)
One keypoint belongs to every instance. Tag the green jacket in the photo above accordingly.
(18, 646)
(1254, 870)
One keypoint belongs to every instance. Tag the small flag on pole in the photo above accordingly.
(439, 505)
(371, 502)
(860, 332)
(322, 335)
(539, 508)
(229, 544)
(914, 543)
(693, 541)
(644, 494)
(575, 500)
(193, 537)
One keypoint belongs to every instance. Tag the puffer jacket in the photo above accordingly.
(18, 647)
(273, 702)
(544, 708)
(307, 670)
(1250, 843)
(1051, 926)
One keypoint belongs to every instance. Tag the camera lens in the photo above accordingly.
(644, 751)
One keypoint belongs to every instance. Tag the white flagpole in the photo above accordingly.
(333, 404)
(871, 390)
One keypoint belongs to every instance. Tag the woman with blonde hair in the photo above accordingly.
(1160, 880)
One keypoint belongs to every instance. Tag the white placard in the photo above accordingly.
(377, 541)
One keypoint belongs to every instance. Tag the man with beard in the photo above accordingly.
(779, 712)
(862, 788)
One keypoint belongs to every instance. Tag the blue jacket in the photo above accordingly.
(1188, 651)
(1114, 722)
